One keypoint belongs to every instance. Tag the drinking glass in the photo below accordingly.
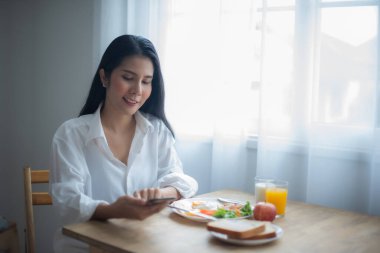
(277, 194)
(261, 184)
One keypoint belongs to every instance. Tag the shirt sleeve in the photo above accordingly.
(170, 172)
(68, 182)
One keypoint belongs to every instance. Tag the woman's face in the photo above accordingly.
(129, 85)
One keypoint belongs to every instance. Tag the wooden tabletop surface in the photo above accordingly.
(307, 228)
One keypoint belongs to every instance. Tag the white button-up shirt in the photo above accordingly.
(85, 173)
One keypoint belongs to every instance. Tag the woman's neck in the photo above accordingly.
(116, 122)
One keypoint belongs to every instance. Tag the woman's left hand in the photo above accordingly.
(149, 193)
(156, 193)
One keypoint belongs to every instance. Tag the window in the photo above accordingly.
(219, 46)
(348, 65)
(286, 63)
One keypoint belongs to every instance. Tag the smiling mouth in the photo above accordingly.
(130, 101)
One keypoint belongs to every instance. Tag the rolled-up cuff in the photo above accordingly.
(88, 207)
(186, 185)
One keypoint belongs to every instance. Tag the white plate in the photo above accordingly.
(187, 204)
(223, 237)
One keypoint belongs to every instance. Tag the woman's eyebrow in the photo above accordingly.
(133, 73)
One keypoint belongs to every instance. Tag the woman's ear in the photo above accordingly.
(103, 78)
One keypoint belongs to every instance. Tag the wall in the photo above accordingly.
(3, 70)
(196, 156)
(4, 33)
(196, 160)
(46, 67)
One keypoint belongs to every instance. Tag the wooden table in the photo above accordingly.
(307, 228)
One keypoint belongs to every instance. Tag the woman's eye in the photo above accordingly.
(147, 82)
(128, 78)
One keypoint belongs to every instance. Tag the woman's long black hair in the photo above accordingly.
(121, 47)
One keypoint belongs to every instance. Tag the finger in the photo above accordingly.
(136, 194)
(146, 212)
(157, 193)
(144, 194)
(152, 193)
(159, 207)
(139, 194)
(149, 210)
(134, 200)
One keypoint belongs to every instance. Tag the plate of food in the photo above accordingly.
(214, 207)
(245, 232)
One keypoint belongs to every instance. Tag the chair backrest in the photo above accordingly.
(34, 198)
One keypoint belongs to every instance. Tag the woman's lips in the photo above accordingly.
(130, 101)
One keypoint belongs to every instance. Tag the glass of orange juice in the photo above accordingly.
(277, 194)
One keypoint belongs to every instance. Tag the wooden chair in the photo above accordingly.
(34, 198)
(9, 239)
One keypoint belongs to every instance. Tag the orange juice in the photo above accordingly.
(277, 196)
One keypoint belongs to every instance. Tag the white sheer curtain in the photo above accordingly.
(319, 123)
(277, 88)
(211, 70)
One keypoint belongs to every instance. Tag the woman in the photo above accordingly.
(120, 152)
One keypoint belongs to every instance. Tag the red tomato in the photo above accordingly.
(208, 212)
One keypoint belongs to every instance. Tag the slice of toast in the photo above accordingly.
(269, 232)
(237, 229)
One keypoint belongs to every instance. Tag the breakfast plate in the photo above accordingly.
(246, 242)
(208, 206)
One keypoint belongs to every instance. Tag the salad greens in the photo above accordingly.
(246, 210)
(223, 213)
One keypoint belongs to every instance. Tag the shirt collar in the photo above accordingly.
(96, 128)
(142, 122)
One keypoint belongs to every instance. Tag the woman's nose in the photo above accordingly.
(137, 87)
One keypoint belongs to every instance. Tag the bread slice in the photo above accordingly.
(237, 229)
(269, 232)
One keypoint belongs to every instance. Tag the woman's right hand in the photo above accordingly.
(127, 207)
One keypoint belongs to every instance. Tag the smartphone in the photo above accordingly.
(159, 201)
